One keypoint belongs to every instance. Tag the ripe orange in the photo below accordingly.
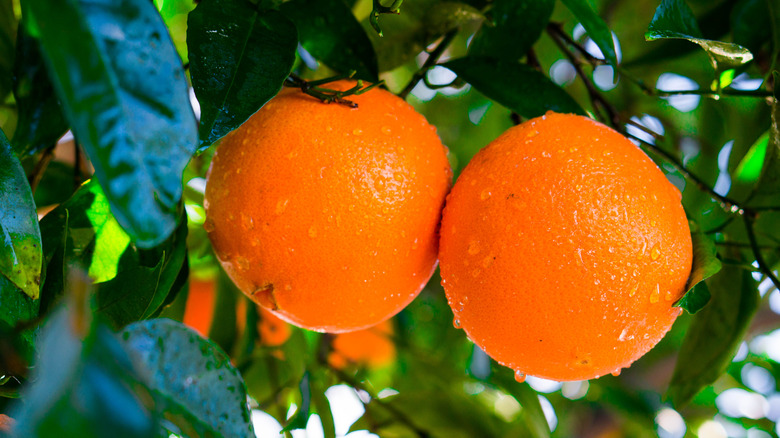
(368, 348)
(563, 249)
(327, 214)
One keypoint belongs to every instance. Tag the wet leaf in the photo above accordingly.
(41, 122)
(596, 27)
(189, 375)
(239, 58)
(516, 86)
(514, 28)
(674, 20)
(130, 283)
(705, 265)
(123, 90)
(714, 334)
(20, 250)
(329, 31)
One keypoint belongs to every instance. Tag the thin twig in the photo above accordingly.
(596, 99)
(40, 167)
(762, 265)
(429, 63)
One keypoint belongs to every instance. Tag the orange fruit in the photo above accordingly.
(368, 348)
(563, 249)
(327, 214)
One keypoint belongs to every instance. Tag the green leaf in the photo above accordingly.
(533, 415)
(769, 180)
(321, 403)
(301, 417)
(596, 27)
(7, 34)
(124, 92)
(516, 86)
(20, 250)
(130, 283)
(41, 122)
(705, 265)
(446, 16)
(190, 375)
(714, 334)
(84, 388)
(674, 19)
(749, 168)
(239, 58)
(516, 25)
(329, 31)
(751, 23)
(15, 307)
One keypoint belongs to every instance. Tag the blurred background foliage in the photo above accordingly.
(92, 360)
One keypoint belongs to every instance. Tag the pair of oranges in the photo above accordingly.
(562, 246)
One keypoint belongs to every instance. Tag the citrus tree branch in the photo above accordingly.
(762, 265)
(429, 63)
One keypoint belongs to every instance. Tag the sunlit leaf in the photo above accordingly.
(715, 333)
(516, 86)
(123, 90)
(20, 250)
(596, 27)
(194, 380)
(239, 57)
(41, 121)
(749, 168)
(329, 31)
(515, 27)
(674, 19)
(705, 265)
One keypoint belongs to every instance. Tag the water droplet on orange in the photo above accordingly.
(519, 376)
(473, 248)
(281, 205)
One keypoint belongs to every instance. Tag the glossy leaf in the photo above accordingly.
(239, 58)
(84, 388)
(596, 27)
(516, 25)
(20, 250)
(705, 265)
(674, 19)
(329, 31)
(123, 90)
(41, 122)
(7, 35)
(446, 16)
(715, 333)
(195, 377)
(516, 86)
(130, 283)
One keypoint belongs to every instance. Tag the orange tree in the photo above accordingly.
(111, 111)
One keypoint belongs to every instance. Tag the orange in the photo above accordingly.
(563, 249)
(327, 214)
(368, 348)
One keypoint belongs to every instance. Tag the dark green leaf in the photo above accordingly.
(84, 388)
(239, 58)
(715, 333)
(329, 31)
(20, 250)
(516, 25)
(705, 265)
(322, 404)
(56, 186)
(41, 121)
(769, 181)
(7, 34)
(516, 86)
(674, 19)
(446, 16)
(189, 374)
(751, 23)
(15, 307)
(130, 283)
(123, 90)
(301, 417)
(596, 27)
(223, 326)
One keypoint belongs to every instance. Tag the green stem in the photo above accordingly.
(762, 265)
